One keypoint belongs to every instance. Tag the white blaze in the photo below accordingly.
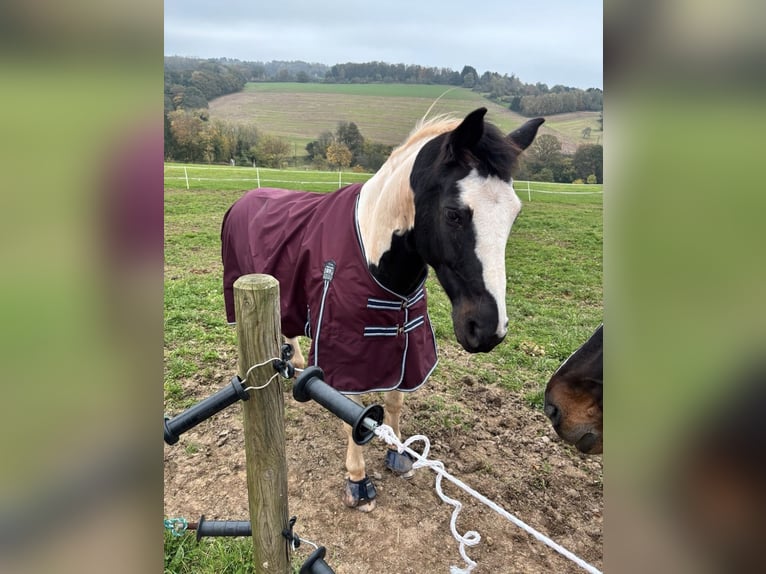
(495, 206)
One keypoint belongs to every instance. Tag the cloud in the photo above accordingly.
(558, 42)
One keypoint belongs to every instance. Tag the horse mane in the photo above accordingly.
(387, 197)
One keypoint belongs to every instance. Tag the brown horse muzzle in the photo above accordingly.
(576, 414)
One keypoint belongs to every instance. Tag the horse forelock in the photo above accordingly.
(495, 155)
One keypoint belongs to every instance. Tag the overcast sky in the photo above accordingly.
(550, 41)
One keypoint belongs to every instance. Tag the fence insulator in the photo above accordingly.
(310, 385)
(316, 564)
(203, 410)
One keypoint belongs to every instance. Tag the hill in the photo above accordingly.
(383, 113)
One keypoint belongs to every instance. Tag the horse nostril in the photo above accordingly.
(553, 413)
(473, 332)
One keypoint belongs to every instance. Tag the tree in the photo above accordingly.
(564, 171)
(271, 151)
(545, 174)
(546, 149)
(224, 140)
(589, 159)
(317, 149)
(247, 138)
(339, 155)
(189, 129)
(186, 97)
(469, 76)
(349, 135)
(374, 155)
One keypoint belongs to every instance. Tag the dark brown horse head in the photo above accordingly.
(574, 396)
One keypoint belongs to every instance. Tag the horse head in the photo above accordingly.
(574, 396)
(465, 206)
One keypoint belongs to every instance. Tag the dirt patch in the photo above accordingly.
(486, 436)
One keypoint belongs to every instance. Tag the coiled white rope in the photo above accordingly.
(471, 537)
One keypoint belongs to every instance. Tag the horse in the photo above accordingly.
(574, 396)
(352, 264)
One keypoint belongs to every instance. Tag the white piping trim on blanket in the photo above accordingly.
(414, 324)
(381, 331)
(396, 329)
(373, 303)
(327, 274)
(404, 359)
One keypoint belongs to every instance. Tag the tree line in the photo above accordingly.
(191, 83)
(190, 135)
(544, 161)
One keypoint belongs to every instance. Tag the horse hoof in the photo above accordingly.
(360, 494)
(400, 463)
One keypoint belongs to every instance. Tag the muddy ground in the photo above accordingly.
(488, 437)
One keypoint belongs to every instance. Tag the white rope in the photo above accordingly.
(294, 547)
(470, 538)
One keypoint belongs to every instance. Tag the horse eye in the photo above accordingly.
(453, 216)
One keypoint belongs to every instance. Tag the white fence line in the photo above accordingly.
(249, 167)
(568, 192)
(335, 183)
(339, 182)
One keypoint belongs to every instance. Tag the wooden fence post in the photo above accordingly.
(256, 304)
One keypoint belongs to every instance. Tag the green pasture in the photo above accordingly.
(553, 262)
(569, 127)
(384, 113)
(555, 300)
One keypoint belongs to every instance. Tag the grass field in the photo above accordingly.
(554, 268)
(383, 112)
(553, 261)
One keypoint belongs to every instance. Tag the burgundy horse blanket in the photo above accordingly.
(365, 337)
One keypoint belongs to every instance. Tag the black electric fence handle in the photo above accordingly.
(316, 564)
(221, 528)
(204, 409)
(214, 404)
(363, 420)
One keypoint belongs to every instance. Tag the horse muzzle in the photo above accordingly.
(475, 333)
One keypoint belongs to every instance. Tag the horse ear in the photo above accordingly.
(525, 135)
(467, 134)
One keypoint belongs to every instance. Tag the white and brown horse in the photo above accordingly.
(352, 264)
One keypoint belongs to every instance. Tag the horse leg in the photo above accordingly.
(400, 464)
(299, 362)
(359, 492)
